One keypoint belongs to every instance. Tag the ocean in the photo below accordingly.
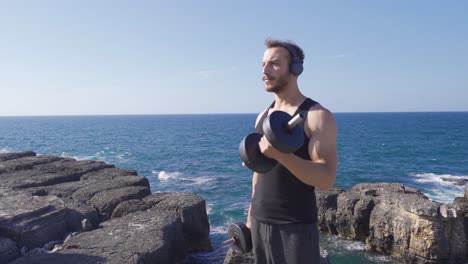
(199, 153)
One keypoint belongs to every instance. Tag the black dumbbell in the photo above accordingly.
(240, 238)
(282, 131)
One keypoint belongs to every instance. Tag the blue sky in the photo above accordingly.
(173, 57)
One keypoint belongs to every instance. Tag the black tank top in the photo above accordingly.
(280, 197)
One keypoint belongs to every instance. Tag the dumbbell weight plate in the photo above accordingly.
(243, 238)
(252, 157)
(276, 130)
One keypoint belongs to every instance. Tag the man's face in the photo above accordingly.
(275, 69)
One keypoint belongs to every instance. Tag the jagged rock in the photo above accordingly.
(103, 195)
(352, 215)
(248, 258)
(44, 198)
(235, 258)
(466, 191)
(327, 205)
(8, 250)
(58, 258)
(45, 171)
(462, 204)
(130, 206)
(86, 225)
(17, 155)
(108, 174)
(397, 220)
(152, 236)
(77, 212)
(36, 251)
(456, 181)
(106, 201)
(25, 163)
(192, 210)
(189, 206)
(32, 221)
(50, 245)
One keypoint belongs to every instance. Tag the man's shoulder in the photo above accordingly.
(259, 117)
(319, 116)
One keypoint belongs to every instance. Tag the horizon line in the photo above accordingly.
(174, 114)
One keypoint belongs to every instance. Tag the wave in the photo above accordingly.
(6, 150)
(170, 176)
(436, 189)
(332, 241)
(102, 155)
(165, 176)
(209, 208)
(437, 178)
(219, 229)
(339, 247)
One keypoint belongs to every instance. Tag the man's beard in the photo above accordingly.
(277, 84)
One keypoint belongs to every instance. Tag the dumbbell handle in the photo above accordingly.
(296, 120)
(229, 242)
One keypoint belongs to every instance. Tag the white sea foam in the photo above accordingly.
(5, 150)
(341, 244)
(165, 176)
(437, 178)
(438, 189)
(209, 208)
(218, 230)
(380, 259)
(341, 247)
(354, 245)
(182, 178)
(89, 157)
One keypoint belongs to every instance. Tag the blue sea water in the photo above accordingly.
(199, 153)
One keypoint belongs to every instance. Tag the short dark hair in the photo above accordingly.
(272, 43)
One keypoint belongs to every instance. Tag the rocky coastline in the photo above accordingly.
(60, 210)
(396, 220)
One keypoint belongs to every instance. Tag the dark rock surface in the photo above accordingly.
(187, 205)
(396, 220)
(248, 258)
(458, 181)
(8, 250)
(47, 203)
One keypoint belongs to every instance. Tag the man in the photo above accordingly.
(283, 212)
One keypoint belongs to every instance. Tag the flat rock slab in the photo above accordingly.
(110, 212)
(143, 237)
(189, 206)
(30, 220)
(45, 171)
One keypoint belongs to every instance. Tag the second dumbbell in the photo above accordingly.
(240, 238)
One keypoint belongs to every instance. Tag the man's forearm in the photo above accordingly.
(312, 173)
(254, 183)
(249, 218)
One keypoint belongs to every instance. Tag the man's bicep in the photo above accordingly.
(322, 145)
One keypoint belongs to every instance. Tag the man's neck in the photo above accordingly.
(290, 97)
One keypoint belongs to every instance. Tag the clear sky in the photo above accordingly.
(173, 57)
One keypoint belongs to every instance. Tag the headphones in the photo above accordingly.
(295, 66)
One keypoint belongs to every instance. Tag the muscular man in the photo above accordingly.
(283, 211)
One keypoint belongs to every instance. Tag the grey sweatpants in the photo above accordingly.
(285, 243)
